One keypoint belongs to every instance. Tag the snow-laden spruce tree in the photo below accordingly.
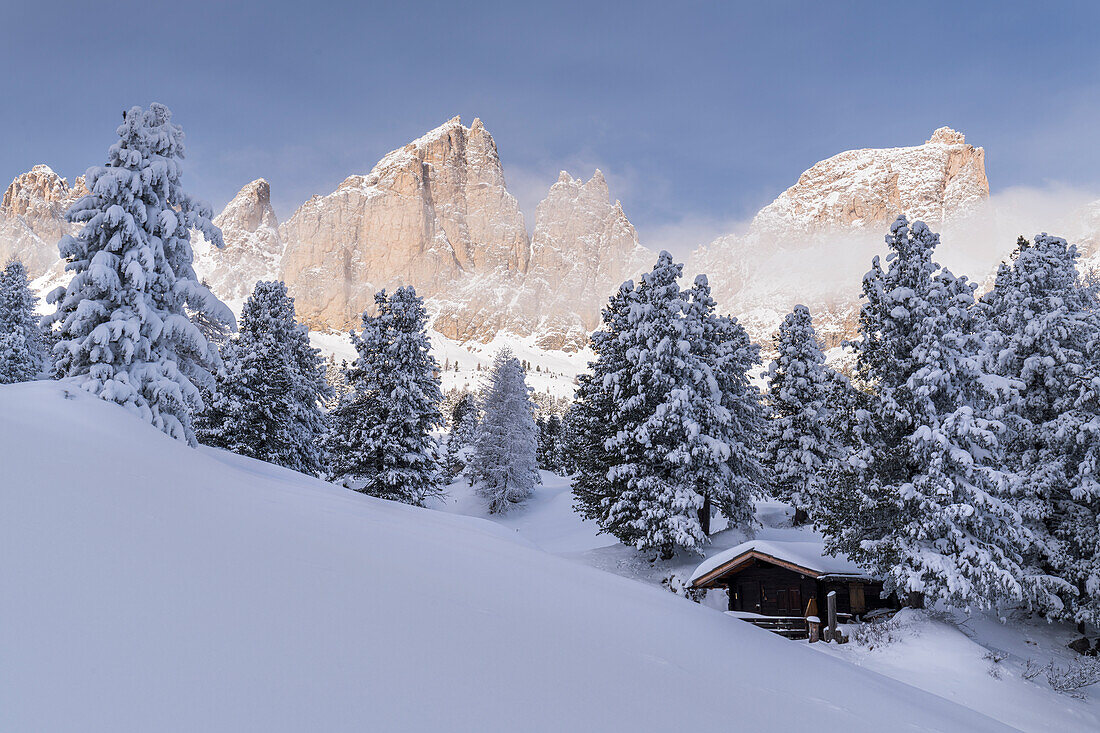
(461, 436)
(23, 350)
(590, 420)
(503, 467)
(800, 442)
(381, 440)
(927, 505)
(1043, 337)
(267, 402)
(550, 443)
(123, 329)
(666, 424)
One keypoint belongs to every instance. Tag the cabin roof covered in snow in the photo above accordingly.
(806, 557)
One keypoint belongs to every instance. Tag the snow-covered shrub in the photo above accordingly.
(1072, 680)
(680, 587)
(879, 632)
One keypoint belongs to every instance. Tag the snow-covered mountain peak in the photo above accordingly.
(253, 247)
(814, 241)
(947, 136)
(32, 217)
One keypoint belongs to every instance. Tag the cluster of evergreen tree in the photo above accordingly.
(666, 422)
(961, 466)
(551, 444)
(266, 402)
(381, 440)
(24, 352)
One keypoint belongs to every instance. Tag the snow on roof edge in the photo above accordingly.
(810, 555)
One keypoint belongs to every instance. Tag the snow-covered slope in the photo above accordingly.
(149, 586)
(977, 660)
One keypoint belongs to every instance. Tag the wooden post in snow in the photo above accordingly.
(830, 630)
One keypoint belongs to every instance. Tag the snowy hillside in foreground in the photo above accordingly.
(975, 660)
(149, 586)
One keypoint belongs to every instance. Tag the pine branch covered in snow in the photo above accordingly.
(124, 330)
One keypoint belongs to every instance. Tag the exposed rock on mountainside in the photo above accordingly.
(32, 217)
(583, 247)
(436, 214)
(814, 242)
(252, 250)
(432, 214)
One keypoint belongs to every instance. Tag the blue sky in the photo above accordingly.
(699, 113)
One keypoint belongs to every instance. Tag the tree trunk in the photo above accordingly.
(800, 517)
(704, 516)
(916, 599)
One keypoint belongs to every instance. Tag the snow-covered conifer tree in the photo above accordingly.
(724, 423)
(503, 467)
(267, 402)
(927, 505)
(23, 351)
(1043, 337)
(591, 418)
(124, 333)
(549, 443)
(381, 440)
(665, 426)
(800, 446)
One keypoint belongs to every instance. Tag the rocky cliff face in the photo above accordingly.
(253, 248)
(436, 214)
(433, 214)
(815, 241)
(32, 217)
(582, 248)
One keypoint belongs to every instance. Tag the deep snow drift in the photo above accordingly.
(149, 586)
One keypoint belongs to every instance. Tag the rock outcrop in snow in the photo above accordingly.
(253, 248)
(814, 242)
(32, 218)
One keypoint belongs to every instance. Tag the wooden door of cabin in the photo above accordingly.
(789, 601)
(748, 596)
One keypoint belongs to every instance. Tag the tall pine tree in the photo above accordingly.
(800, 446)
(503, 468)
(1044, 339)
(381, 440)
(124, 333)
(665, 425)
(927, 505)
(23, 349)
(267, 402)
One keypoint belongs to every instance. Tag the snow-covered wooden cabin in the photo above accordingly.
(778, 579)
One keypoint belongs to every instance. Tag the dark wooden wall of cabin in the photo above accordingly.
(760, 588)
(772, 590)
